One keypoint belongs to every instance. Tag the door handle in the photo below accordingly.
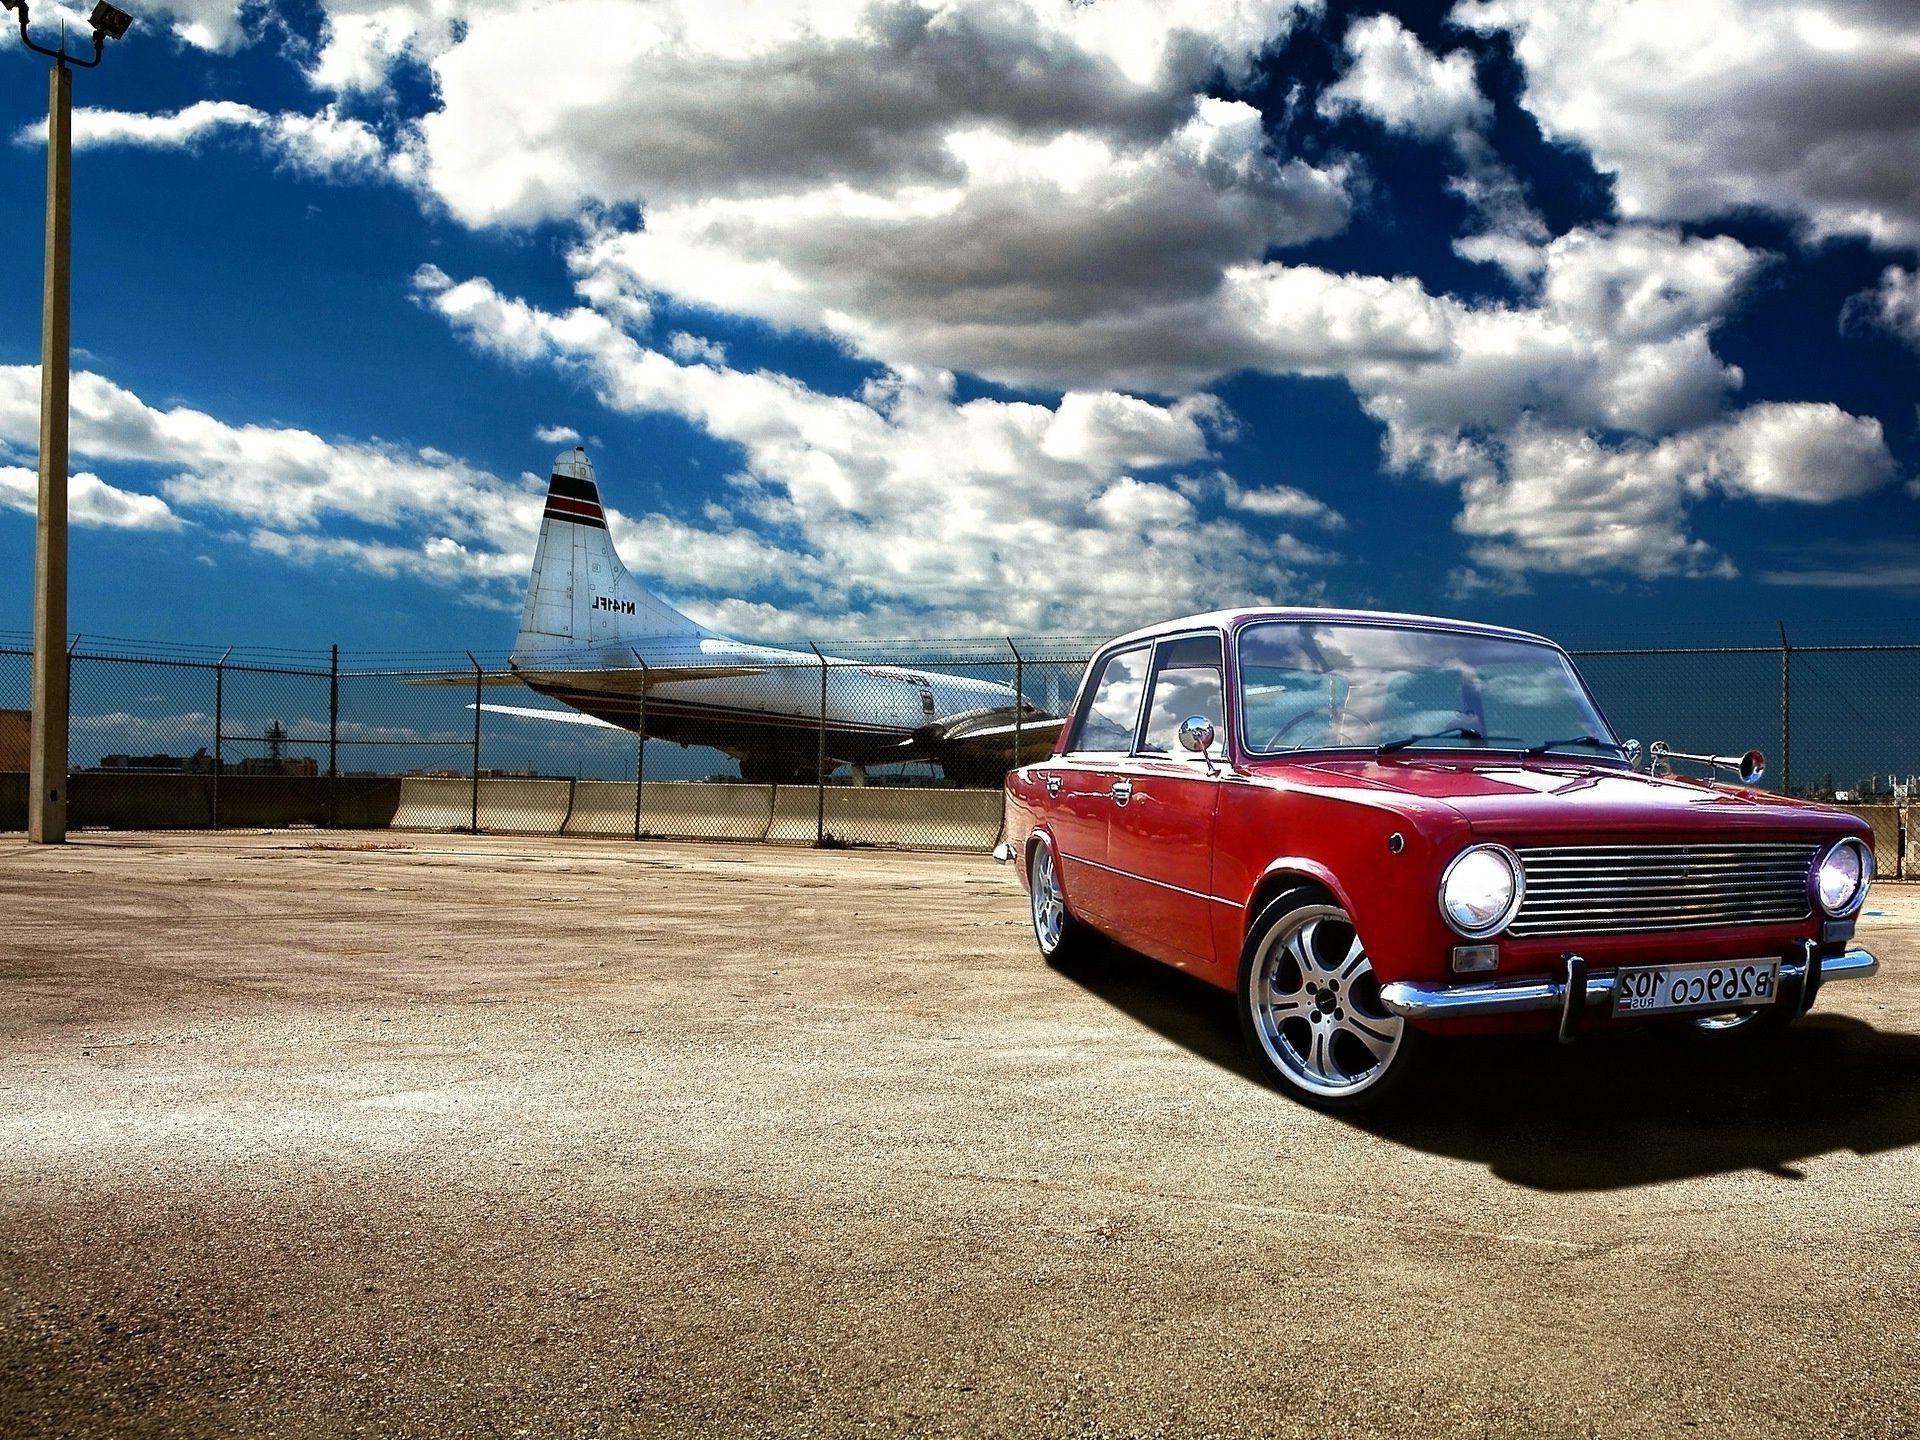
(1122, 791)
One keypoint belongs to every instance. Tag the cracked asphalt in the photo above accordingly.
(326, 1134)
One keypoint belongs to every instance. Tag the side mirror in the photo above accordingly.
(1632, 747)
(1196, 734)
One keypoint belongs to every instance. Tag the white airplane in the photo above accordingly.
(594, 639)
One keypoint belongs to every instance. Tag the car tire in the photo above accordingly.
(1310, 1009)
(1061, 938)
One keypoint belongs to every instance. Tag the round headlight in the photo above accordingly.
(1842, 879)
(1481, 890)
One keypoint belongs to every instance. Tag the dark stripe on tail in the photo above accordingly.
(578, 512)
(574, 489)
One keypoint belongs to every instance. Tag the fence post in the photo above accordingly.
(640, 750)
(479, 676)
(333, 741)
(219, 725)
(1786, 712)
(1019, 697)
(820, 761)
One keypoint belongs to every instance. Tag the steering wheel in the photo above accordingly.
(1274, 740)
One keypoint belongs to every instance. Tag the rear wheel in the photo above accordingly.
(1310, 1008)
(1059, 936)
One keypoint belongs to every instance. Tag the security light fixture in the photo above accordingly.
(108, 21)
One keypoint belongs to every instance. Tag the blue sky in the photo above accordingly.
(906, 320)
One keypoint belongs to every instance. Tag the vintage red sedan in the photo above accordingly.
(1376, 828)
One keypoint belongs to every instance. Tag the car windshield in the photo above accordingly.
(1325, 686)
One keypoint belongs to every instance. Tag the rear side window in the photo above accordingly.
(1186, 681)
(1113, 706)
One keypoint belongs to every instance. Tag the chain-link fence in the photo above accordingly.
(901, 745)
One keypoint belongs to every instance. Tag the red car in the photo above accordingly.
(1377, 828)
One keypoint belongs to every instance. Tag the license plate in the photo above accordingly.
(1732, 985)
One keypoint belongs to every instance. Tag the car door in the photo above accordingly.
(1080, 804)
(1160, 831)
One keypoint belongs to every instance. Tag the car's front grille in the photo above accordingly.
(1617, 889)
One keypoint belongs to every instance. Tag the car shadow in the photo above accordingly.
(1635, 1107)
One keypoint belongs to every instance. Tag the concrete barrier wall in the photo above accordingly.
(1887, 829)
(525, 807)
(674, 809)
(695, 810)
(926, 819)
(433, 804)
(603, 808)
(134, 801)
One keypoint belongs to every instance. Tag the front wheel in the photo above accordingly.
(1310, 1008)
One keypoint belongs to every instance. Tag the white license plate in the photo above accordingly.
(1732, 985)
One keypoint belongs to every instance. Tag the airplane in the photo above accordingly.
(596, 640)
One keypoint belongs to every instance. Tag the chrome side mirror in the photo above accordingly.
(1196, 734)
(1632, 749)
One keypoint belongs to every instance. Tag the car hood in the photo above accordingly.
(1509, 799)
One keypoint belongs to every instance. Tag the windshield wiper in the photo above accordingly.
(1592, 742)
(1465, 732)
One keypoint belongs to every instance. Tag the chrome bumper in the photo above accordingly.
(1419, 1000)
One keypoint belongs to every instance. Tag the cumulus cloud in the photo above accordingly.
(1073, 261)
(1563, 501)
(1395, 79)
(903, 501)
(1703, 109)
(90, 501)
(1893, 306)
(323, 144)
(557, 435)
(452, 521)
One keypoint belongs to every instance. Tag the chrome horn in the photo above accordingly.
(1749, 767)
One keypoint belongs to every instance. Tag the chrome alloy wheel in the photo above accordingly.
(1315, 1004)
(1049, 904)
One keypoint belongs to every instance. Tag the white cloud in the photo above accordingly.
(449, 519)
(1395, 79)
(683, 346)
(323, 144)
(909, 508)
(90, 501)
(1893, 305)
(1069, 262)
(1701, 109)
(1561, 500)
(557, 435)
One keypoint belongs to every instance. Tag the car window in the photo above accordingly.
(1186, 681)
(1114, 707)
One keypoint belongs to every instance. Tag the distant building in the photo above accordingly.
(16, 739)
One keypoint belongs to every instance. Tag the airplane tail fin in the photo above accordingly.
(581, 598)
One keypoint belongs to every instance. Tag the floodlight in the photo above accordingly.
(108, 21)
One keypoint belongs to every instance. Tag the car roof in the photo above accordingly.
(1229, 619)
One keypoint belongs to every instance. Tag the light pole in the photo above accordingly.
(47, 795)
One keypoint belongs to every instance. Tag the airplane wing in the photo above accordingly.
(454, 679)
(532, 712)
(626, 681)
(987, 739)
(631, 681)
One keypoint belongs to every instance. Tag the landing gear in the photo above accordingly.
(779, 770)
